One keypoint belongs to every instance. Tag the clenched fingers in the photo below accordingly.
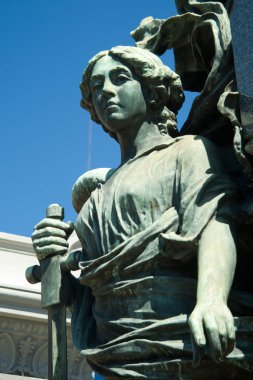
(47, 232)
(49, 222)
(51, 240)
(50, 237)
(50, 250)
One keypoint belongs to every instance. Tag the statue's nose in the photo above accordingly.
(108, 88)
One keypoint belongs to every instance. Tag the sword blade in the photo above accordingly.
(57, 343)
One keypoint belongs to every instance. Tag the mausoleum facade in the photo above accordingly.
(23, 324)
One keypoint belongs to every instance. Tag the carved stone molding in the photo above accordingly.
(7, 352)
(23, 350)
(39, 362)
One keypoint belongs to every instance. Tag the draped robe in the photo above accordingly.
(139, 233)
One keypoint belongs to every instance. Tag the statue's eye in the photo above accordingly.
(96, 85)
(121, 78)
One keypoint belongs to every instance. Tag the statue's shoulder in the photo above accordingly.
(87, 183)
(195, 144)
(201, 153)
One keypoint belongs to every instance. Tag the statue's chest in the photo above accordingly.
(147, 183)
(135, 196)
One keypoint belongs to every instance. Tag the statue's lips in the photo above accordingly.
(111, 106)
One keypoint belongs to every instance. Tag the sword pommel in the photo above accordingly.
(55, 211)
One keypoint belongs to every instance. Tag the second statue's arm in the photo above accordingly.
(211, 321)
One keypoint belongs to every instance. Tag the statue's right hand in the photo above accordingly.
(50, 237)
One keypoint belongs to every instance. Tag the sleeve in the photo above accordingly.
(86, 184)
(203, 190)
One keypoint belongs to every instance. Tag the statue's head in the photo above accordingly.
(160, 86)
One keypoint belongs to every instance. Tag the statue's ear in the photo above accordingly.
(157, 97)
(86, 184)
(150, 97)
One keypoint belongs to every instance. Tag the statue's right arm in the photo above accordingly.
(50, 235)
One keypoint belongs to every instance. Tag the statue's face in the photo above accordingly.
(117, 96)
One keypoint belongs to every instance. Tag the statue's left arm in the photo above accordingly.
(211, 320)
(207, 213)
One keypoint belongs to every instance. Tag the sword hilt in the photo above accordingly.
(55, 211)
(54, 281)
(33, 274)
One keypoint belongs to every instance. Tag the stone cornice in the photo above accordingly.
(16, 243)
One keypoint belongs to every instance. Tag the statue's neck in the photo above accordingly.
(134, 142)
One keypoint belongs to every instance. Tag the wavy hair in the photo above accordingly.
(164, 88)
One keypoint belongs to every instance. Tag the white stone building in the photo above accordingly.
(23, 324)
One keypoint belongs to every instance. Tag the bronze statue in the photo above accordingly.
(166, 236)
(157, 235)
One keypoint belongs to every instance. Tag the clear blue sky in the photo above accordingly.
(45, 44)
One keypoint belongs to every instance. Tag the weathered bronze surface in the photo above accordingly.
(166, 237)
